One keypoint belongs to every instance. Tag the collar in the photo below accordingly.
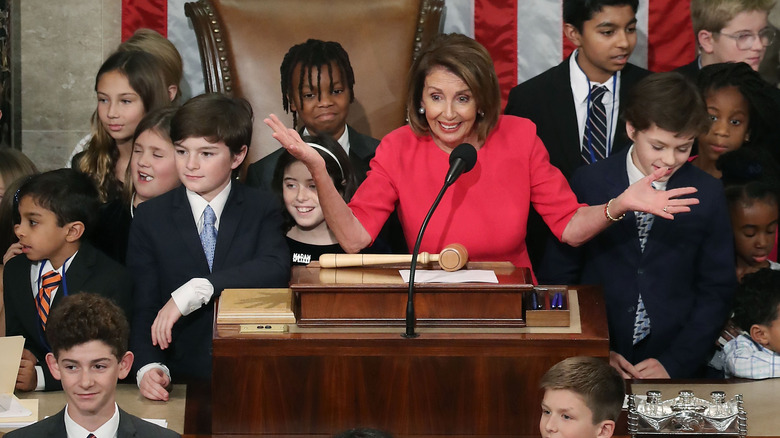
(198, 204)
(343, 140)
(107, 430)
(634, 174)
(578, 81)
(48, 267)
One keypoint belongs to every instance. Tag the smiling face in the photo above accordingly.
(300, 197)
(205, 167)
(119, 107)
(321, 110)
(89, 373)
(153, 166)
(717, 48)
(450, 109)
(565, 415)
(655, 148)
(755, 230)
(606, 41)
(730, 115)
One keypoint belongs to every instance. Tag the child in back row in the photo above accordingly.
(308, 235)
(88, 339)
(754, 354)
(57, 209)
(189, 244)
(739, 105)
(583, 397)
(668, 284)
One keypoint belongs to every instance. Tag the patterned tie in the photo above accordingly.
(92, 435)
(644, 221)
(208, 237)
(595, 132)
(49, 283)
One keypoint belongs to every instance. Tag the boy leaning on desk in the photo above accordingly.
(88, 335)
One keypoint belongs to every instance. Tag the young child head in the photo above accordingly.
(294, 184)
(317, 82)
(751, 193)
(604, 32)
(756, 307)
(738, 101)
(583, 397)
(152, 168)
(211, 134)
(88, 335)
(150, 41)
(128, 85)
(732, 30)
(664, 114)
(56, 209)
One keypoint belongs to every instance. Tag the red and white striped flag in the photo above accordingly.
(524, 37)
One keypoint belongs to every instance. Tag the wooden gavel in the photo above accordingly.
(453, 257)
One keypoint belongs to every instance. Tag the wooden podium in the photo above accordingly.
(450, 381)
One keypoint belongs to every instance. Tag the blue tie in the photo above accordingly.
(644, 221)
(208, 237)
(595, 134)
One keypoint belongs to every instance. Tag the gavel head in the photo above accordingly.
(453, 257)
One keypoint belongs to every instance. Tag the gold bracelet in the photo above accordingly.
(609, 216)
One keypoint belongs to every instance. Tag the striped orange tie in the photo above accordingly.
(49, 283)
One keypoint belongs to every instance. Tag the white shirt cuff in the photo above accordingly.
(154, 365)
(41, 378)
(193, 295)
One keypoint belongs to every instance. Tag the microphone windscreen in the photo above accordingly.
(465, 152)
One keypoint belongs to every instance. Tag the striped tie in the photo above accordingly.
(49, 283)
(595, 134)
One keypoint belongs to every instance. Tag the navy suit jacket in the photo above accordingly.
(90, 271)
(686, 274)
(361, 150)
(164, 252)
(130, 426)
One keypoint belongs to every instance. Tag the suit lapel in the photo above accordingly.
(563, 109)
(188, 231)
(228, 223)
(57, 425)
(617, 180)
(126, 428)
(78, 272)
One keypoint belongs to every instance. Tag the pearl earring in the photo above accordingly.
(421, 110)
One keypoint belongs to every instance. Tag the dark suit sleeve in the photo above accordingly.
(147, 297)
(270, 266)
(260, 173)
(714, 285)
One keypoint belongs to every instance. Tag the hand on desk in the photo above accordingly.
(27, 378)
(161, 327)
(155, 385)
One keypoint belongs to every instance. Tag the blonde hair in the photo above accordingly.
(150, 41)
(714, 15)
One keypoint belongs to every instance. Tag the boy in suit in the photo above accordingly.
(189, 244)
(583, 397)
(577, 105)
(667, 284)
(317, 86)
(88, 335)
(57, 209)
(729, 31)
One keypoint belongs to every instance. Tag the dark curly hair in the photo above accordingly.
(758, 298)
(85, 317)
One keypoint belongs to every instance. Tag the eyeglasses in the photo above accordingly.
(745, 40)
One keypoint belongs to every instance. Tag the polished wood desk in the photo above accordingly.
(446, 382)
(127, 397)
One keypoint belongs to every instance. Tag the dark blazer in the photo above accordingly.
(130, 426)
(690, 70)
(164, 252)
(90, 271)
(686, 274)
(547, 100)
(361, 151)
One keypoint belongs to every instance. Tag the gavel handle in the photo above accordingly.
(351, 260)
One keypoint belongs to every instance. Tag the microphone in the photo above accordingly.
(462, 159)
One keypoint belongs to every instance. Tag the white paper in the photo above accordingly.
(162, 422)
(440, 276)
(16, 410)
